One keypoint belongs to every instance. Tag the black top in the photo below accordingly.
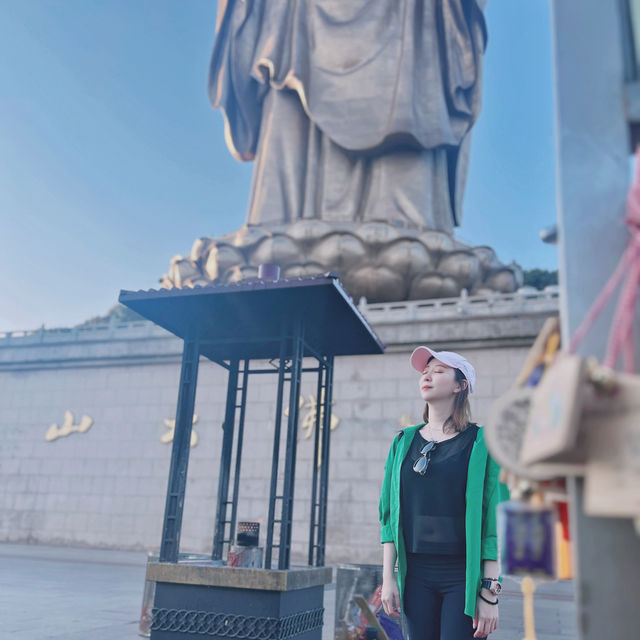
(433, 505)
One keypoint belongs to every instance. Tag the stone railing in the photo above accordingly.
(522, 301)
(86, 333)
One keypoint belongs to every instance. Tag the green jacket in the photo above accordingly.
(482, 496)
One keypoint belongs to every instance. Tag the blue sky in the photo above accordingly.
(112, 160)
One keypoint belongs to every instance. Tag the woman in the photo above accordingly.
(438, 511)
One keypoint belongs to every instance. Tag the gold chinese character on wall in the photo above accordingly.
(309, 420)
(167, 437)
(68, 427)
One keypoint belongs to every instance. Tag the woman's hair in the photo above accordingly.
(461, 411)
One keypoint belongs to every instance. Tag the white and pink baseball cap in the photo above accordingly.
(421, 356)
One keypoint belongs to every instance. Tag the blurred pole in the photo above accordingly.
(593, 170)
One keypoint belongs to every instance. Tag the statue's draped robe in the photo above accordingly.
(352, 109)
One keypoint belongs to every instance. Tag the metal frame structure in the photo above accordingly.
(289, 371)
(303, 332)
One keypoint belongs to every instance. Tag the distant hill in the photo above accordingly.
(117, 313)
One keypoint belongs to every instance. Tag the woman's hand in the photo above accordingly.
(486, 618)
(390, 598)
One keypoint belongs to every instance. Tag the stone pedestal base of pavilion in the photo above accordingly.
(202, 600)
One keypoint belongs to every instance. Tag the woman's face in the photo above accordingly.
(438, 381)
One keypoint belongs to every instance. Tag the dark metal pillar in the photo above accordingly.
(324, 469)
(225, 461)
(315, 514)
(282, 368)
(291, 445)
(170, 544)
(236, 473)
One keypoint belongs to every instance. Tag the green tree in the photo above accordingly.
(539, 278)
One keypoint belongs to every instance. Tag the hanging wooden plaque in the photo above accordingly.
(612, 426)
(554, 418)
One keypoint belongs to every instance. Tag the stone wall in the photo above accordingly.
(106, 486)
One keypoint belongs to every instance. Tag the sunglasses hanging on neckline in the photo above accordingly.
(422, 463)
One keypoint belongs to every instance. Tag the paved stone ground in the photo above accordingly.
(67, 593)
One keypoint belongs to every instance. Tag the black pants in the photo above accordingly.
(434, 598)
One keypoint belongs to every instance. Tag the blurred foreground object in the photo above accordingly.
(571, 416)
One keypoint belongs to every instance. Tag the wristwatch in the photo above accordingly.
(493, 584)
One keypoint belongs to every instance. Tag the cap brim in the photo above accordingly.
(420, 357)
